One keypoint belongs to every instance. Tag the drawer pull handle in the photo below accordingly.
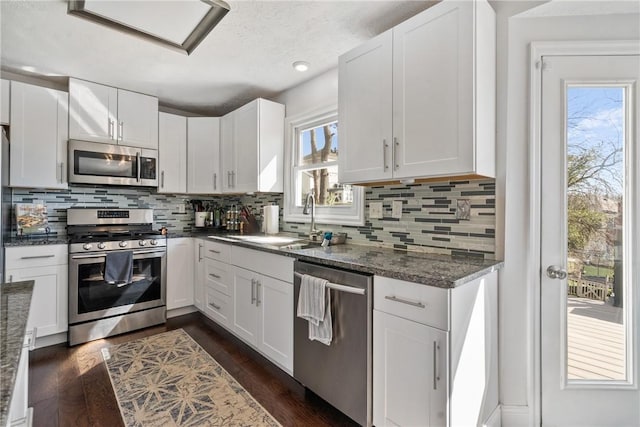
(217, 307)
(404, 301)
(214, 251)
(37, 256)
(215, 276)
(436, 377)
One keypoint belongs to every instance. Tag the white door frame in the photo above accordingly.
(537, 51)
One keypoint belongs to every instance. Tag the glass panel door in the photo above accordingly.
(596, 338)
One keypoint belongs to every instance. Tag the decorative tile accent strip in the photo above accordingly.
(428, 222)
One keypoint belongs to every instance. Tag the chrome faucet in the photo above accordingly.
(310, 207)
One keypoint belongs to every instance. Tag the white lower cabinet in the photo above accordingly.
(180, 273)
(47, 267)
(218, 307)
(409, 363)
(263, 315)
(435, 353)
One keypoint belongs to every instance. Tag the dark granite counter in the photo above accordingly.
(443, 271)
(15, 299)
(35, 241)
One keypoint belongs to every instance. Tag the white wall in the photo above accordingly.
(318, 92)
(517, 381)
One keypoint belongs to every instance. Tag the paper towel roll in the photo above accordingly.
(271, 219)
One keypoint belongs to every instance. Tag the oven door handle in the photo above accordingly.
(103, 254)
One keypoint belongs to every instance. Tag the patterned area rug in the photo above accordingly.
(169, 380)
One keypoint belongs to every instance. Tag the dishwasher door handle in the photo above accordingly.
(338, 287)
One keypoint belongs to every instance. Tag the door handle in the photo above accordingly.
(436, 377)
(404, 301)
(396, 144)
(258, 300)
(111, 129)
(229, 179)
(215, 276)
(37, 256)
(121, 131)
(61, 174)
(253, 297)
(139, 164)
(162, 179)
(233, 179)
(217, 307)
(384, 154)
(556, 272)
(215, 181)
(200, 251)
(214, 251)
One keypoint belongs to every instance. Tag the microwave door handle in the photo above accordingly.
(139, 166)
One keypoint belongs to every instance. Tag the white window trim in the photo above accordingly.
(353, 215)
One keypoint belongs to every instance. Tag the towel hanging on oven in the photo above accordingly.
(118, 268)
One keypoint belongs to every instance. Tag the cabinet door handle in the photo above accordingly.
(258, 300)
(384, 154)
(139, 166)
(404, 301)
(200, 251)
(215, 181)
(162, 179)
(214, 251)
(229, 179)
(436, 377)
(396, 144)
(121, 131)
(233, 179)
(253, 292)
(215, 276)
(111, 129)
(11, 278)
(37, 256)
(217, 307)
(63, 173)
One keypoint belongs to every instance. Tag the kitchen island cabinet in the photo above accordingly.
(39, 134)
(435, 353)
(418, 100)
(110, 115)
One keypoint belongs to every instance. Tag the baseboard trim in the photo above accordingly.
(50, 340)
(495, 419)
(515, 416)
(181, 311)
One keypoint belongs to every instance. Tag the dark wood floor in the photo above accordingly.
(71, 387)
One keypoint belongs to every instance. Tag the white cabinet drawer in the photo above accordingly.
(421, 303)
(216, 250)
(218, 275)
(218, 307)
(276, 266)
(35, 256)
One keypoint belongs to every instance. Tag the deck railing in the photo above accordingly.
(588, 288)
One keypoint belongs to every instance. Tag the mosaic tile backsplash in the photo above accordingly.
(428, 222)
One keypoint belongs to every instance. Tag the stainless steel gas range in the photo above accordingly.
(100, 308)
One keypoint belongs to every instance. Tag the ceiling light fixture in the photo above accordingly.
(301, 66)
(177, 25)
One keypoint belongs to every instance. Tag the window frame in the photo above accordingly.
(343, 215)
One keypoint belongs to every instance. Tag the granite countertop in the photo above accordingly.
(15, 299)
(443, 271)
(35, 241)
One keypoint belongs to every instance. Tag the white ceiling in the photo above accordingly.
(248, 54)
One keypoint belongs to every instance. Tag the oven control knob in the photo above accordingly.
(122, 244)
(87, 246)
(153, 242)
(142, 242)
(101, 245)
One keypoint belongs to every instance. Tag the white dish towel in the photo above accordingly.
(314, 305)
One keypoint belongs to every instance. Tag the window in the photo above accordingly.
(313, 150)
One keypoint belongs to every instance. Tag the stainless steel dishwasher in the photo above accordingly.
(339, 373)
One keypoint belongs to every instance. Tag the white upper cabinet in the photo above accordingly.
(172, 153)
(203, 150)
(253, 148)
(39, 134)
(4, 102)
(365, 111)
(106, 114)
(441, 70)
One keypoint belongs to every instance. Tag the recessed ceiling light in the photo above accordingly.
(301, 66)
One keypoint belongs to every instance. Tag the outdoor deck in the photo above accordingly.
(595, 340)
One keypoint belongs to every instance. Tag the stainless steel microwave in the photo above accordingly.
(97, 163)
